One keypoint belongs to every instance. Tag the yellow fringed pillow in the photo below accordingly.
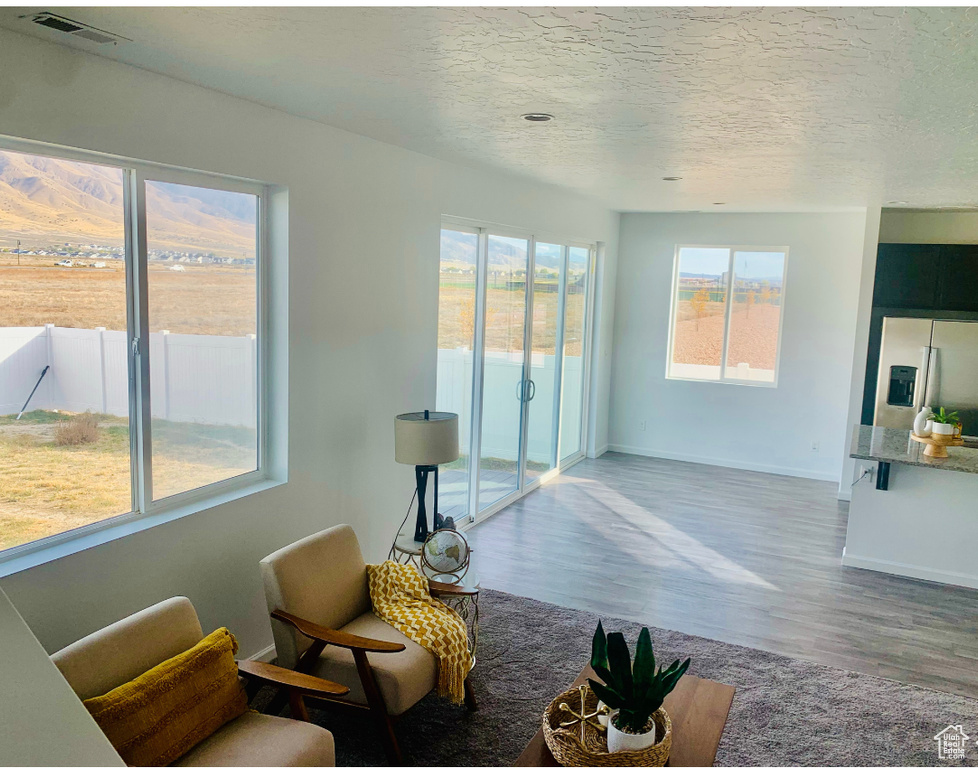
(174, 706)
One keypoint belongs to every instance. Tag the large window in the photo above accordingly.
(726, 314)
(130, 340)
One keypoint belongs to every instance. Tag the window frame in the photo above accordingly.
(732, 251)
(145, 511)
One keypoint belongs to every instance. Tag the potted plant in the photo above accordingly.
(945, 424)
(633, 691)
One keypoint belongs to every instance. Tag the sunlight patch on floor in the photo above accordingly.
(673, 541)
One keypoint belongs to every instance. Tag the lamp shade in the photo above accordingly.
(426, 441)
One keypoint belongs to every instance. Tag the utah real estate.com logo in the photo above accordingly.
(950, 743)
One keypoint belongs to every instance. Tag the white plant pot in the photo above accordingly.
(942, 429)
(603, 719)
(619, 741)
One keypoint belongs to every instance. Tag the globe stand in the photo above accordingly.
(445, 556)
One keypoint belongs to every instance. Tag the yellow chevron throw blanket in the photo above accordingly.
(400, 597)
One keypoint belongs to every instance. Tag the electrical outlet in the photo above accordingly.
(815, 446)
(641, 426)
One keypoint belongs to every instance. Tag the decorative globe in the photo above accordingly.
(445, 554)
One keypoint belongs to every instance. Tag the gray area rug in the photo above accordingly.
(785, 711)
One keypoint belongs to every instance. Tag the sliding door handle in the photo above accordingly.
(526, 390)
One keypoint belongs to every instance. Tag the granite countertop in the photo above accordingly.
(896, 447)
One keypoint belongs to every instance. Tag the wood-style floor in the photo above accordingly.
(742, 557)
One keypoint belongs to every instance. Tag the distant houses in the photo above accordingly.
(102, 252)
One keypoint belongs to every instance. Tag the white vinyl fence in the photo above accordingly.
(501, 403)
(203, 379)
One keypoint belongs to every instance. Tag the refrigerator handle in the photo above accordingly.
(920, 384)
(932, 386)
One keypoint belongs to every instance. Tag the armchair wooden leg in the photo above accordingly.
(378, 708)
(297, 706)
(470, 702)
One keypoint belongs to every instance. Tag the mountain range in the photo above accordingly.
(459, 248)
(48, 201)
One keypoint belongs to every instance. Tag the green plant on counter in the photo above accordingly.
(638, 690)
(941, 417)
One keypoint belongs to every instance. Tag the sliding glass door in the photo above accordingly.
(573, 379)
(543, 381)
(502, 368)
(456, 359)
(512, 360)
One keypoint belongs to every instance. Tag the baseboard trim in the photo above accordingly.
(267, 655)
(771, 469)
(600, 452)
(844, 495)
(911, 571)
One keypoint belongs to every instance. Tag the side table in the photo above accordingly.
(406, 550)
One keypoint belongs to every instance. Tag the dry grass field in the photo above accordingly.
(504, 313)
(47, 488)
(753, 335)
(204, 299)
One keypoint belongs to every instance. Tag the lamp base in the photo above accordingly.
(421, 473)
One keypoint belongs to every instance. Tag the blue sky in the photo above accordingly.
(753, 265)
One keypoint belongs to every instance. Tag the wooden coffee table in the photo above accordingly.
(698, 709)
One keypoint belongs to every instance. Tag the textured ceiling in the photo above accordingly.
(761, 109)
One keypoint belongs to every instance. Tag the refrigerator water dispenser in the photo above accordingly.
(903, 379)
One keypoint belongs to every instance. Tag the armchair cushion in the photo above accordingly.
(404, 678)
(254, 739)
(321, 578)
(171, 708)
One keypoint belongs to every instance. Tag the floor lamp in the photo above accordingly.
(425, 440)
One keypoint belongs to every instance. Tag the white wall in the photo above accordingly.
(902, 226)
(38, 700)
(759, 428)
(364, 236)
(860, 346)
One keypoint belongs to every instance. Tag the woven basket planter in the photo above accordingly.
(568, 748)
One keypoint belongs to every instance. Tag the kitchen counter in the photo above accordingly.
(894, 446)
(912, 521)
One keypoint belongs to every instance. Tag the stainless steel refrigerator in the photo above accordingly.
(927, 362)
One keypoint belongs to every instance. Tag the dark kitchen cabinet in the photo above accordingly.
(918, 280)
(907, 276)
(957, 287)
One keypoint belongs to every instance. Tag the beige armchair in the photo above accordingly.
(122, 651)
(319, 601)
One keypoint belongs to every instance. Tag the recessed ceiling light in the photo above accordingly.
(672, 178)
(719, 203)
(537, 117)
(897, 202)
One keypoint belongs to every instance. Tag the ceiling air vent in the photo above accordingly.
(75, 28)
